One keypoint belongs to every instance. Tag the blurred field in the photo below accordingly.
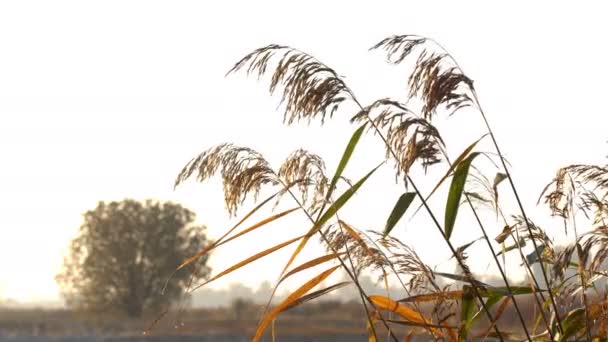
(325, 321)
(173, 338)
(317, 321)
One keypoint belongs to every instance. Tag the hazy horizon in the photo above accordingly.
(105, 101)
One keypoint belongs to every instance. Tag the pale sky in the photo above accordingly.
(102, 100)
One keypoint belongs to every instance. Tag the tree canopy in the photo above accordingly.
(126, 251)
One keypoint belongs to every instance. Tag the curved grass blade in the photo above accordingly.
(213, 245)
(457, 161)
(467, 311)
(490, 293)
(219, 243)
(348, 152)
(339, 203)
(456, 189)
(331, 211)
(412, 324)
(430, 297)
(575, 321)
(412, 316)
(315, 294)
(515, 290)
(497, 180)
(507, 249)
(374, 316)
(490, 302)
(250, 260)
(259, 224)
(302, 290)
(464, 247)
(401, 206)
(309, 264)
(463, 279)
(499, 311)
(404, 311)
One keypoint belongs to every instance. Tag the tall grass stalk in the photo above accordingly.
(313, 91)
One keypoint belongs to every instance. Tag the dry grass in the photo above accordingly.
(563, 304)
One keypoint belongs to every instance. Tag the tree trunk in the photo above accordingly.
(134, 308)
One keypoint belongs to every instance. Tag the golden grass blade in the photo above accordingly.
(291, 298)
(373, 318)
(405, 312)
(259, 224)
(216, 243)
(371, 337)
(309, 264)
(207, 249)
(251, 259)
(315, 294)
(412, 316)
(370, 333)
(499, 311)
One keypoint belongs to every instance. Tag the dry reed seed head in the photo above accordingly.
(411, 138)
(562, 262)
(591, 174)
(443, 309)
(257, 60)
(537, 233)
(583, 187)
(566, 296)
(438, 82)
(342, 236)
(310, 88)
(406, 262)
(307, 171)
(243, 171)
(561, 197)
(435, 79)
(598, 208)
(481, 192)
(399, 47)
(593, 249)
(589, 252)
